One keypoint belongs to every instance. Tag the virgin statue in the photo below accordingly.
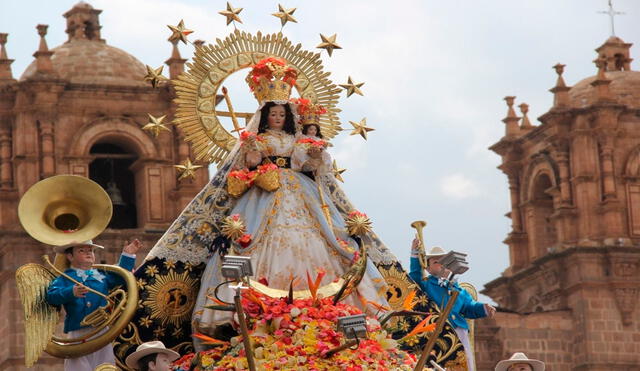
(274, 199)
(293, 230)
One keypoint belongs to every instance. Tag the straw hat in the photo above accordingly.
(520, 358)
(147, 348)
(435, 252)
(61, 249)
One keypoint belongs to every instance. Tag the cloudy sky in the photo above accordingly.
(435, 73)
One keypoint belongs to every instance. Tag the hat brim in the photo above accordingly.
(503, 365)
(434, 255)
(132, 360)
(63, 248)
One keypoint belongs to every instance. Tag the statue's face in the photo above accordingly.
(312, 131)
(520, 367)
(276, 117)
(162, 363)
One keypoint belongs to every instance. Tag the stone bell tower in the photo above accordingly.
(79, 109)
(570, 295)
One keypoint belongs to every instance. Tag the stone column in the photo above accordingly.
(47, 148)
(6, 168)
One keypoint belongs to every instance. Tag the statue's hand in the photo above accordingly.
(314, 152)
(253, 158)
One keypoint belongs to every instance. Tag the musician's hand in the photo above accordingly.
(133, 247)
(415, 247)
(490, 310)
(79, 291)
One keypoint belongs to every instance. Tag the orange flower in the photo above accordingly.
(313, 285)
(209, 340)
(408, 303)
(421, 327)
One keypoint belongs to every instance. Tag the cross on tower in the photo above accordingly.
(612, 13)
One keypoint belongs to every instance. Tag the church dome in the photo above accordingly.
(85, 58)
(624, 88)
(93, 62)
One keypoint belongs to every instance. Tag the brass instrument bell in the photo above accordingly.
(64, 209)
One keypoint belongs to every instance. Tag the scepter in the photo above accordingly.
(234, 119)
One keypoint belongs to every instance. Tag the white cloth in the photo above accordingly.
(463, 335)
(90, 361)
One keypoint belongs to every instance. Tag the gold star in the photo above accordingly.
(155, 125)
(337, 172)
(179, 32)
(328, 43)
(352, 87)
(285, 15)
(231, 13)
(361, 128)
(154, 76)
(187, 169)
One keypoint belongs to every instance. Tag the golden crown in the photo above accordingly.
(271, 79)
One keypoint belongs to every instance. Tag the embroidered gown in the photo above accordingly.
(290, 233)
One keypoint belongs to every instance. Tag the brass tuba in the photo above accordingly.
(57, 211)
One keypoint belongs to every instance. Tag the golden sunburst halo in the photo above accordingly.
(171, 298)
(399, 286)
(196, 89)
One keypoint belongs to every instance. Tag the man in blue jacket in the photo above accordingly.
(437, 287)
(78, 301)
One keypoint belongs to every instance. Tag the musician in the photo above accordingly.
(437, 288)
(151, 356)
(79, 302)
(520, 362)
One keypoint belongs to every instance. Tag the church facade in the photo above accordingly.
(79, 109)
(570, 294)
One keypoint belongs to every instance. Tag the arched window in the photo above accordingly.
(110, 169)
(542, 230)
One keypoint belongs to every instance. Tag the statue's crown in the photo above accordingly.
(271, 79)
(308, 112)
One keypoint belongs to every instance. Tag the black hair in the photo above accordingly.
(143, 362)
(289, 125)
(318, 132)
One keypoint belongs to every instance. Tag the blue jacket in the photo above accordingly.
(464, 307)
(60, 291)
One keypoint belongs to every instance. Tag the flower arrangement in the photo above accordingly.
(245, 175)
(250, 136)
(357, 223)
(296, 335)
(270, 68)
(310, 142)
(238, 181)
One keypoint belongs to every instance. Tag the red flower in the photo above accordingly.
(245, 240)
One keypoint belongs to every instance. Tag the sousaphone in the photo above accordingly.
(58, 211)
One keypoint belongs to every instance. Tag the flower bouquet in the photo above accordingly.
(239, 181)
(268, 177)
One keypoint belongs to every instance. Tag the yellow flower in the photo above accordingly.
(170, 264)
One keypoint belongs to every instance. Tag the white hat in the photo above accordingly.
(61, 249)
(520, 358)
(147, 348)
(435, 251)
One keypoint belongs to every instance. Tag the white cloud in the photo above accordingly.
(459, 186)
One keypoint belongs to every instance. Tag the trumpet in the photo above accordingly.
(419, 225)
